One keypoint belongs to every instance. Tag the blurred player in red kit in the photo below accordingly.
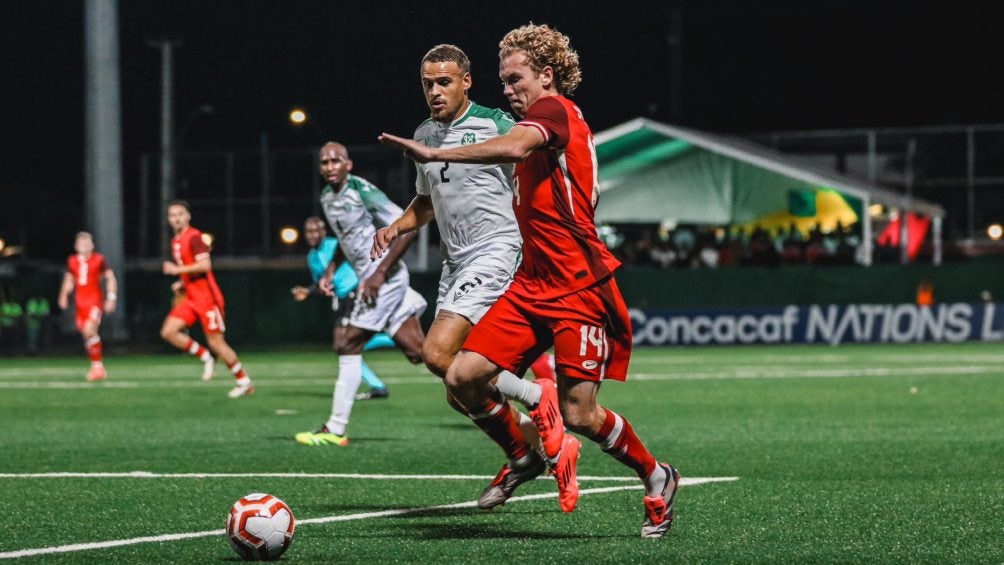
(200, 300)
(84, 271)
(564, 293)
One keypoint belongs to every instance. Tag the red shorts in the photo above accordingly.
(589, 329)
(88, 313)
(210, 315)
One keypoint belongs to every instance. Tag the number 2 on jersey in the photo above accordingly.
(442, 172)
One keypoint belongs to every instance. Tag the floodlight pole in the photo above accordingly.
(167, 192)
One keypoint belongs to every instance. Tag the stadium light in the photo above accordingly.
(208, 238)
(995, 231)
(289, 235)
(297, 116)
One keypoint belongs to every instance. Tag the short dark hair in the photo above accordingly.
(445, 53)
(179, 202)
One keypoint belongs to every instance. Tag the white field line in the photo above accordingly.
(149, 475)
(326, 520)
(734, 373)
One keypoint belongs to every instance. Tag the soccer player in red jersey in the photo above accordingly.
(564, 292)
(200, 300)
(83, 273)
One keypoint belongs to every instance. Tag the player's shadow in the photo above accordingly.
(435, 530)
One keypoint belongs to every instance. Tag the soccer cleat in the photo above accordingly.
(207, 369)
(659, 509)
(241, 390)
(97, 373)
(547, 417)
(510, 476)
(564, 473)
(373, 394)
(321, 437)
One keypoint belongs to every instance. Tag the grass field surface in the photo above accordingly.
(789, 454)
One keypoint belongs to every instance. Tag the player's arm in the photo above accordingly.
(64, 291)
(201, 265)
(512, 147)
(419, 213)
(326, 283)
(370, 287)
(111, 291)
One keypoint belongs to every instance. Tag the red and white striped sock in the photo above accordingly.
(196, 349)
(238, 370)
(617, 437)
(93, 346)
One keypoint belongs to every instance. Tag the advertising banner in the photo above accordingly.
(819, 323)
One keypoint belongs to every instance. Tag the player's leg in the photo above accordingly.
(173, 331)
(92, 343)
(349, 342)
(377, 387)
(593, 343)
(219, 346)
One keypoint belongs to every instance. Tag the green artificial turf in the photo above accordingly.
(848, 454)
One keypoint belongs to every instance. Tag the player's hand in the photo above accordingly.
(369, 289)
(63, 302)
(381, 241)
(411, 148)
(178, 288)
(170, 268)
(327, 285)
(300, 293)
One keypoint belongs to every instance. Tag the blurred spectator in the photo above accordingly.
(36, 315)
(663, 254)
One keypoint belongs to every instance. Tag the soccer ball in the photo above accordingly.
(260, 527)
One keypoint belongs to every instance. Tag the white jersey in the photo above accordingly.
(355, 213)
(472, 202)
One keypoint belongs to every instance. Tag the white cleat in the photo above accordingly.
(207, 369)
(241, 390)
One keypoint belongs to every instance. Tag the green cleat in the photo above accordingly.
(321, 437)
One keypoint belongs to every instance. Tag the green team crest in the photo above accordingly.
(468, 139)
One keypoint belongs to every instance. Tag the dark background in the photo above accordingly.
(746, 67)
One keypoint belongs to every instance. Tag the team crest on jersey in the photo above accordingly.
(468, 139)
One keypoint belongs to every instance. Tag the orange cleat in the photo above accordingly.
(564, 472)
(547, 417)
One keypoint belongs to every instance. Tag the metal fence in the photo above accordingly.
(243, 198)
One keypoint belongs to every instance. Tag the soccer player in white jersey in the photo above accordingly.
(481, 247)
(384, 301)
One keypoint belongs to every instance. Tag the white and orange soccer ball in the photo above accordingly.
(260, 527)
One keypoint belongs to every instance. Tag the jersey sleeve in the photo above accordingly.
(548, 116)
(384, 211)
(102, 264)
(345, 280)
(198, 246)
(71, 266)
(421, 182)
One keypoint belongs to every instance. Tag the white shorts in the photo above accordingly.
(395, 303)
(471, 288)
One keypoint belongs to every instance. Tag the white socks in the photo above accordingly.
(350, 375)
(528, 393)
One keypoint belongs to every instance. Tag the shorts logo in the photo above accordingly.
(590, 364)
(466, 287)
(468, 139)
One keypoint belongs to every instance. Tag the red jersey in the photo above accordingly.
(187, 248)
(557, 188)
(87, 273)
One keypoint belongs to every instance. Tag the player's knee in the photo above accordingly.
(437, 359)
(166, 332)
(578, 416)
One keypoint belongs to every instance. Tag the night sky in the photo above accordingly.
(747, 67)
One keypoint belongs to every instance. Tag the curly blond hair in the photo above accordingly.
(545, 47)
